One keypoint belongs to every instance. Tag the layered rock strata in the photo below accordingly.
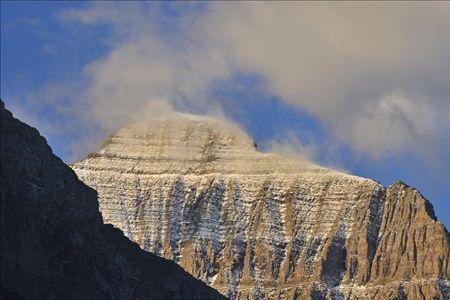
(54, 244)
(259, 226)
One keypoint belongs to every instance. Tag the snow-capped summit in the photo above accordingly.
(189, 144)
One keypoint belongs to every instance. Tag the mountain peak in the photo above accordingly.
(189, 130)
(182, 143)
(261, 226)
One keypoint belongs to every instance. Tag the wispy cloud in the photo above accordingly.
(376, 75)
(289, 145)
(344, 62)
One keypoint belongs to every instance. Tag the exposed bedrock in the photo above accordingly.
(260, 226)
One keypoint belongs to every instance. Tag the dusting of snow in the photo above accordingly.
(187, 182)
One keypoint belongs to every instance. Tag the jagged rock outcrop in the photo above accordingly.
(260, 226)
(413, 249)
(54, 244)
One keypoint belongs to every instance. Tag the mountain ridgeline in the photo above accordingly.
(54, 244)
(260, 226)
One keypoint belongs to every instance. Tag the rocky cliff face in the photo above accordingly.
(260, 226)
(54, 244)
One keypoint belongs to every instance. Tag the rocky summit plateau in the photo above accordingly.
(255, 225)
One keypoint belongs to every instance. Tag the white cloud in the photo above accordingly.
(377, 75)
(342, 62)
(393, 123)
(289, 145)
(139, 73)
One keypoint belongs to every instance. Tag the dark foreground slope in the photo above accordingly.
(54, 244)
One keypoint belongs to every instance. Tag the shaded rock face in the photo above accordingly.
(54, 244)
(260, 226)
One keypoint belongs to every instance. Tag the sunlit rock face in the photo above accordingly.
(259, 226)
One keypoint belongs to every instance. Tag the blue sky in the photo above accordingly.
(311, 77)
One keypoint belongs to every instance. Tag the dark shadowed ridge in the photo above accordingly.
(54, 244)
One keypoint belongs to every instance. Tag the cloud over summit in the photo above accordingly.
(362, 86)
(375, 74)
